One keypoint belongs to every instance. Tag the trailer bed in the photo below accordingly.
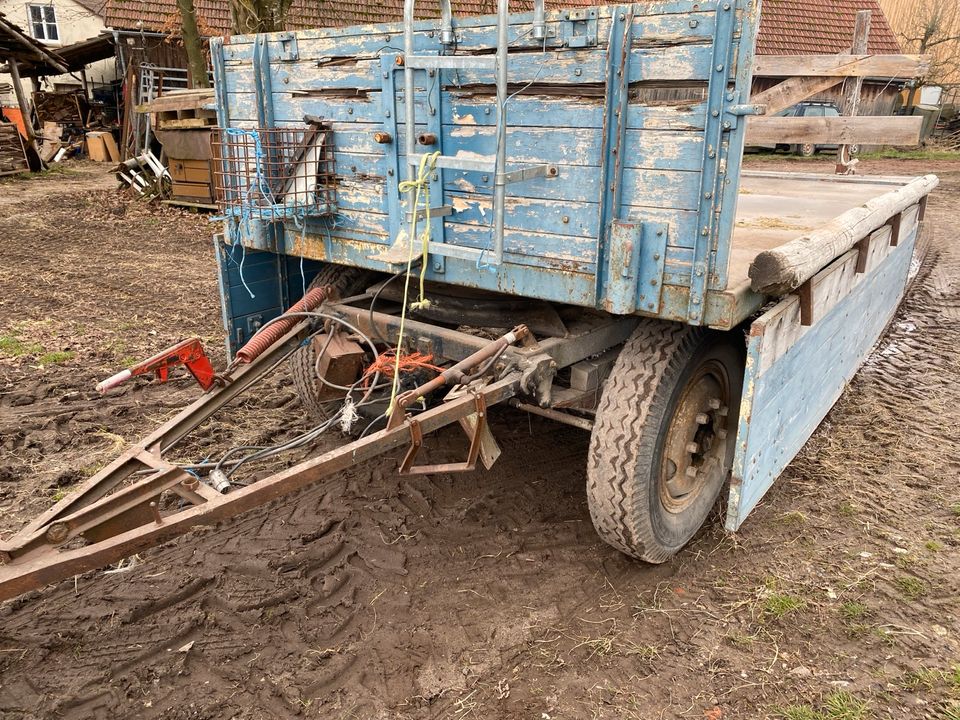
(778, 208)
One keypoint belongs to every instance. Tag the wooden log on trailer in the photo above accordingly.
(785, 268)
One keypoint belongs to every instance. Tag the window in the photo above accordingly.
(43, 22)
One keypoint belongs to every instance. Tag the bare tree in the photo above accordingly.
(190, 33)
(257, 16)
(933, 27)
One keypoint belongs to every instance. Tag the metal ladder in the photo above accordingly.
(496, 166)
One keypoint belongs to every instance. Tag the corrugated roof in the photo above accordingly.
(814, 27)
(788, 27)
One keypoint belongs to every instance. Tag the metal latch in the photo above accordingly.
(578, 28)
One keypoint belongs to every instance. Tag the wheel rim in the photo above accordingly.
(695, 446)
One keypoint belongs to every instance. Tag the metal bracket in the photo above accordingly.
(528, 173)
(288, 47)
(435, 212)
(416, 442)
(579, 28)
(623, 259)
(652, 264)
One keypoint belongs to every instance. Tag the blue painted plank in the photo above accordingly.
(783, 405)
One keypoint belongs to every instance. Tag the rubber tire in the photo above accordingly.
(346, 281)
(806, 150)
(631, 425)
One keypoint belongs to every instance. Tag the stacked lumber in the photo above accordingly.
(183, 110)
(12, 156)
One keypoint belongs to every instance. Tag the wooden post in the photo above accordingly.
(851, 100)
(22, 101)
(35, 162)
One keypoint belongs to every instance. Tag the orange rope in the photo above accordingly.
(386, 364)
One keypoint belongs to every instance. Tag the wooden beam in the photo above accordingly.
(785, 268)
(791, 91)
(879, 130)
(853, 88)
(886, 66)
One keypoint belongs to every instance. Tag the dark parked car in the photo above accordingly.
(808, 108)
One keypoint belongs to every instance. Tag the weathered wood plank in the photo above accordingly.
(794, 375)
(883, 66)
(883, 130)
(791, 91)
(783, 269)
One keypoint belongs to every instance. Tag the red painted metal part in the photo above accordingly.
(271, 333)
(188, 352)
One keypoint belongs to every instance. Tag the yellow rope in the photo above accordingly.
(421, 184)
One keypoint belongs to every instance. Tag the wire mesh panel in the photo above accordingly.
(274, 173)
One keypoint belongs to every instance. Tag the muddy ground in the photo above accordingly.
(481, 596)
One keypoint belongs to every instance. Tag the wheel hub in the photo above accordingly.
(695, 448)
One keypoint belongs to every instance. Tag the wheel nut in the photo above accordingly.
(702, 418)
(722, 434)
(691, 472)
(693, 448)
(714, 403)
(723, 411)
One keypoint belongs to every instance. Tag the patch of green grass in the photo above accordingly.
(838, 705)
(933, 546)
(887, 638)
(922, 679)
(893, 154)
(56, 357)
(911, 587)
(842, 705)
(13, 346)
(955, 509)
(853, 611)
(779, 605)
(952, 712)
(799, 712)
(59, 495)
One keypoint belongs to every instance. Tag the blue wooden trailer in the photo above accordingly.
(550, 207)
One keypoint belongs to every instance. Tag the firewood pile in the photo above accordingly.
(12, 156)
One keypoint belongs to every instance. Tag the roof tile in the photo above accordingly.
(788, 27)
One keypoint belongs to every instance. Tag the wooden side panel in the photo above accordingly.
(795, 374)
(668, 54)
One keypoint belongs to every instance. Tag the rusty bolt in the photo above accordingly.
(702, 418)
(427, 139)
(552, 171)
(693, 448)
(691, 472)
(399, 60)
(714, 403)
(156, 513)
(565, 219)
(383, 137)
